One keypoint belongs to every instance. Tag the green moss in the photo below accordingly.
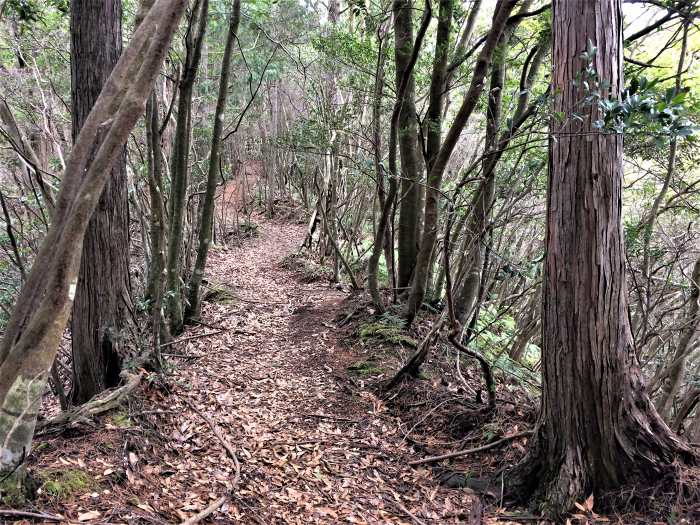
(365, 368)
(218, 293)
(61, 484)
(121, 419)
(17, 489)
(390, 333)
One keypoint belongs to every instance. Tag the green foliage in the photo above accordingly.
(16, 489)
(644, 107)
(31, 11)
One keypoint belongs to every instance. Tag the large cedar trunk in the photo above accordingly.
(598, 429)
(103, 299)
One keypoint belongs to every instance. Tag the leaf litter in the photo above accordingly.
(267, 369)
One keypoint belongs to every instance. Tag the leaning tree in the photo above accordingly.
(598, 429)
(41, 312)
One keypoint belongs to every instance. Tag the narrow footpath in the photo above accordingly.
(272, 380)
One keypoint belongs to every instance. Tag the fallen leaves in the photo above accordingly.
(309, 451)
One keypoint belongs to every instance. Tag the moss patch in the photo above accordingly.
(391, 333)
(218, 293)
(309, 270)
(62, 484)
(120, 419)
(365, 368)
(17, 489)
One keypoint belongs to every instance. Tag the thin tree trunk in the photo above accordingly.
(438, 162)
(36, 327)
(691, 327)
(207, 217)
(479, 215)
(409, 196)
(180, 166)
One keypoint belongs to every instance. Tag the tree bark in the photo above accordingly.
(41, 312)
(409, 193)
(102, 308)
(598, 428)
(206, 220)
(180, 165)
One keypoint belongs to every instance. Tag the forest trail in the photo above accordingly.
(313, 445)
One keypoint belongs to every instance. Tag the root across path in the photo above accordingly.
(256, 412)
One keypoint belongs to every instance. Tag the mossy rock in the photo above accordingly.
(60, 485)
(390, 333)
(218, 293)
(365, 368)
(309, 270)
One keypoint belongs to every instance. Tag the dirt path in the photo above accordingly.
(313, 447)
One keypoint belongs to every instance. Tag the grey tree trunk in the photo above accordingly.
(410, 191)
(180, 166)
(206, 220)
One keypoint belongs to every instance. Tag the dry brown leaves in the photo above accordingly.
(311, 449)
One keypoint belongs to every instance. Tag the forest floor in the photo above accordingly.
(313, 445)
(274, 402)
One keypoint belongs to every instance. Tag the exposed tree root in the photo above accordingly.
(502, 441)
(105, 402)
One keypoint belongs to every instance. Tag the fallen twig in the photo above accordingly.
(198, 336)
(25, 514)
(495, 444)
(407, 512)
(206, 512)
(224, 442)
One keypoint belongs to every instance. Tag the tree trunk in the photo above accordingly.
(433, 134)
(206, 220)
(598, 429)
(41, 312)
(479, 215)
(691, 327)
(180, 166)
(409, 193)
(102, 307)
(441, 156)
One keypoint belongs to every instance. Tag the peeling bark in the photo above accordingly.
(598, 429)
